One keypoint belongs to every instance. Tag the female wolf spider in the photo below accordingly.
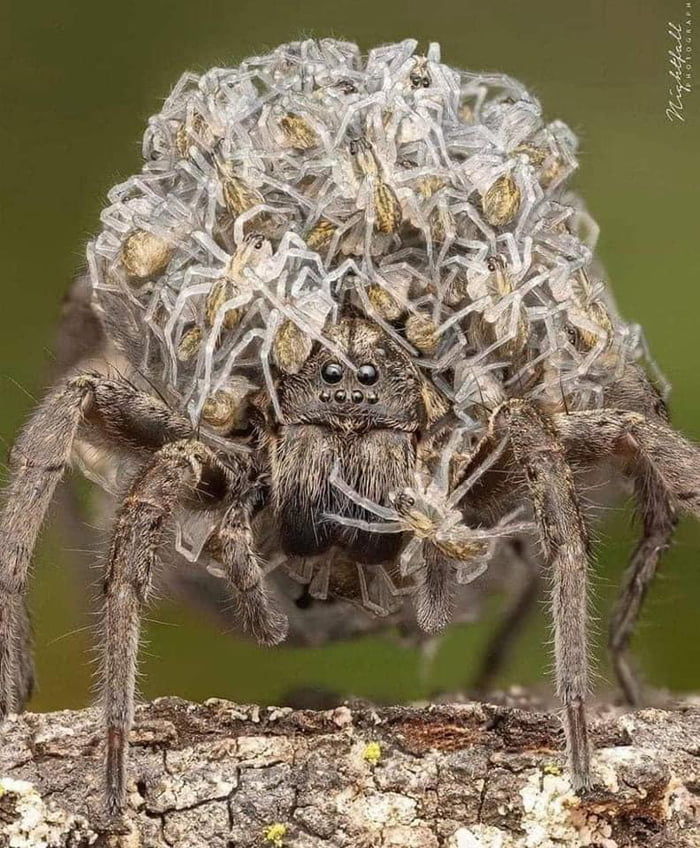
(368, 428)
(323, 255)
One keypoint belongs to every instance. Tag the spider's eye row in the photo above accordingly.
(332, 372)
(367, 374)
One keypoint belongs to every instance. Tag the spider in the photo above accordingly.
(371, 379)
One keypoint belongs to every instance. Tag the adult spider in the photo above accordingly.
(358, 336)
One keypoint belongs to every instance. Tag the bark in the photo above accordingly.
(463, 775)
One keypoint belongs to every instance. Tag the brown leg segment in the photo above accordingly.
(538, 450)
(139, 531)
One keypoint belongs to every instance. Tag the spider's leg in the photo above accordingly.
(117, 414)
(174, 471)
(37, 464)
(538, 451)
(657, 515)
(659, 521)
(632, 438)
(666, 471)
(245, 575)
(501, 643)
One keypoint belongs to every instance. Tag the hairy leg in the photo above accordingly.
(658, 518)
(632, 438)
(37, 463)
(501, 643)
(635, 392)
(666, 472)
(123, 416)
(175, 471)
(245, 575)
(538, 451)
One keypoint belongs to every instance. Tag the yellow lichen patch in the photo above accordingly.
(552, 768)
(501, 201)
(372, 753)
(145, 255)
(275, 833)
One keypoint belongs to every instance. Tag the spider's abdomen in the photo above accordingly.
(376, 464)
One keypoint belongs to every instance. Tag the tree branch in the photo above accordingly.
(463, 776)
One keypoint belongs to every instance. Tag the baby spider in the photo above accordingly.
(442, 551)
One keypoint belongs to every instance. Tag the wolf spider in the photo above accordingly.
(374, 428)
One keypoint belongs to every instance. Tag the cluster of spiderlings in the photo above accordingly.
(276, 194)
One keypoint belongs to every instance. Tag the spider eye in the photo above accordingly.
(367, 374)
(346, 86)
(332, 372)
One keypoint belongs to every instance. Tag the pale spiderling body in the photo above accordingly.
(362, 342)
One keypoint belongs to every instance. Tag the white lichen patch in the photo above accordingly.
(553, 816)
(36, 824)
(188, 780)
(259, 751)
(385, 809)
(480, 836)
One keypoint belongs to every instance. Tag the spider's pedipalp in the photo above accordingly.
(245, 575)
(434, 598)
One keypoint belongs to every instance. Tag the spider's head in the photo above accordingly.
(380, 388)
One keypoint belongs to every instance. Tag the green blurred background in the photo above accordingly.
(78, 81)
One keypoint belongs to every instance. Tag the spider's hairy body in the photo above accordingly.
(362, 345)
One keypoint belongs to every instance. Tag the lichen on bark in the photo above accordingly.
(468, 775)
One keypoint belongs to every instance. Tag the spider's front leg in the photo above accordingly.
(179, 470)
(121, 416)
(537, 450)
(138, 532)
